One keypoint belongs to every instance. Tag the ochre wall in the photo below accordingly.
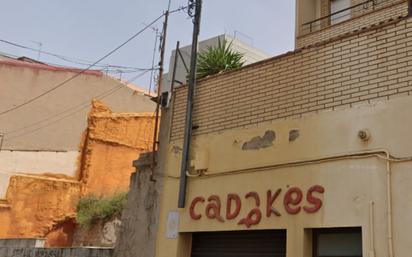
(113, 142)
(36, 204)
(44, 205)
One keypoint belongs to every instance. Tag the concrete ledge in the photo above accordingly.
(55, 252)
(22, 242)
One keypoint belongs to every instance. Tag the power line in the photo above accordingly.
(114, 69)
(74, 59)
(65, 58)
(93, 64)
(82, 71)
(76, 109)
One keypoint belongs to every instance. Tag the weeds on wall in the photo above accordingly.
(91, 208)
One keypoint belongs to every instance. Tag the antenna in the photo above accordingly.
(40, 45)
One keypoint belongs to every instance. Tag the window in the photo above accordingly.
(336, 10)
(337, 242)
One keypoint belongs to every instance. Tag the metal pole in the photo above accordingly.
(172, 86)
(189, 107)
(410, 8)
(159, 88)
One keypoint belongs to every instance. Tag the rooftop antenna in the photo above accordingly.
(152, 76)
(40, 45)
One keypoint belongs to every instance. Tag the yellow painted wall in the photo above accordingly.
(351, 184)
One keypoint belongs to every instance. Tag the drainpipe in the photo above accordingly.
(389, 203)
(372, 229)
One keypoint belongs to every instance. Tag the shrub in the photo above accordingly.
(217, 59)
(91, 208)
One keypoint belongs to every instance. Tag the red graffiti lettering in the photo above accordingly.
(253, 218)
(213, 208)
(269, 204)
(193, 214)
(293, 204)
(293, 197)
(254, 195)
(233, 198)
(316, 202)
(255, 215)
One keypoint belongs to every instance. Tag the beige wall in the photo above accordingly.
(52, 146)
(35, 162)
(351, 184)
(19, 83)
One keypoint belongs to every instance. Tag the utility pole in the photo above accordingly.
(159, 88)
(196, 6)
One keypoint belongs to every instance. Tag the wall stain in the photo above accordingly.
(293, 135)
(258, 142)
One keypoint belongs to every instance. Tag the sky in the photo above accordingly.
(89, 29)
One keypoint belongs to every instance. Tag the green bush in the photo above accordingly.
(91, 208)
(217, 59)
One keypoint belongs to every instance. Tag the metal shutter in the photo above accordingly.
(264, 243)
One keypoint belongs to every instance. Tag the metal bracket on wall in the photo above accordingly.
(178, 54)
(1, 140)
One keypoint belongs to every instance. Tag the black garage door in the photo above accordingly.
(264, 243)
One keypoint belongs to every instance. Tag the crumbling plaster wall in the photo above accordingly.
(36, 204)
(44, 205)
(113, 141)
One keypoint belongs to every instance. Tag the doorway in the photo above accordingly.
(250, 243)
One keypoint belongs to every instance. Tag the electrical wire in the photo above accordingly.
(82, 71)
(76, 109)
(108, 69)
(65, 58)
(90, 66)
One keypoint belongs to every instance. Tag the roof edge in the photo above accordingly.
(38, 66)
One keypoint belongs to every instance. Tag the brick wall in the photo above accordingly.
(361, 18)
(374, 64)
(324, 11)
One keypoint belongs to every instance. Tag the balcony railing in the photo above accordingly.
(341, 15)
